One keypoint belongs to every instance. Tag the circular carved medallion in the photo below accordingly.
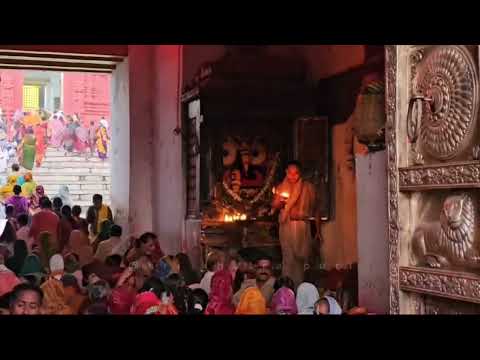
(447, 77)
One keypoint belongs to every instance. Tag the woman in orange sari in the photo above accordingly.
(252, 302)
(40, 133)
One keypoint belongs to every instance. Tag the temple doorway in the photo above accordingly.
(251, 112)
(57, 122)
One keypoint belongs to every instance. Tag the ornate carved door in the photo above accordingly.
(433, 176)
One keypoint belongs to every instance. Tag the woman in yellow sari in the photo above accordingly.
(102, 140)
(7, 190)
(29, 186)
(252, 303)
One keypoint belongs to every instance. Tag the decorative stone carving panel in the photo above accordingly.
(445, 96)
(434, 160)
(442, 283)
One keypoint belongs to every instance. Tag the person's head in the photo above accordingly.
(199, 301)
(233, 265)
(146, 243)
(70, 284)
(72, 262)
(181, 294)
(28, 177)
(10, 211)
(252, 302)
(98, 291)
(114, 260)
(57, 203)
(221, 286)
(116, 230)
(156, 286)
(294, 172)
(15, 168)
(105, 228)
(162, 270)
(214, 262)
(263, 267)
(307, 296)
(185, 265)
(12, 180)
(67, 211)
(283, 302)
(245, 263)
(45, 203)
(17, 190)
(40, 190)
(76, 210)
(26, 299)
(284, 281)
(327, 305)
(23, 220)
(56, 265)
(63, 191)
(97, 201)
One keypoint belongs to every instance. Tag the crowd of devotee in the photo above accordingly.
(25, 137)
(55, 262)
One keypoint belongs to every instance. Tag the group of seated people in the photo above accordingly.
(123, 276)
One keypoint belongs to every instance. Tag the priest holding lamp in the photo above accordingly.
(295, 198)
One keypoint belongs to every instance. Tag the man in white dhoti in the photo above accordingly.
(295, 198)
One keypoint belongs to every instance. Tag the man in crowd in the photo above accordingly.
(263, 280)
(26, 299)
(45, 221)
(97, 214)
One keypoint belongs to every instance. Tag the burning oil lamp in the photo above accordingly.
(285, 195)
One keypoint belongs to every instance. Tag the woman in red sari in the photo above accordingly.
(40, 135)
(221, 294)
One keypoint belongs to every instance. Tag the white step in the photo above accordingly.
(53, 178)
(83, 176)
(87, 186)
(71, 170)
(72, 164)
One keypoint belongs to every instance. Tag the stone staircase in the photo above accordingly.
(84, 177)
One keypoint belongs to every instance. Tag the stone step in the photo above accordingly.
(54, 178)
(87, 186)
(75, 191)
(80, 171)
(62, 158)
(72, 164)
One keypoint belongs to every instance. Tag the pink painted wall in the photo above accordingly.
(11, 93)
(88, 95)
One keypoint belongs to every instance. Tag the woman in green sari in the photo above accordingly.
(28, 150)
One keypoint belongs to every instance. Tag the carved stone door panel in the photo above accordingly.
(433, 174)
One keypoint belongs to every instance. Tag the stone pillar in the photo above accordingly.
(168, 183)
(372, 222)
(120, 152)
(141, 74)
